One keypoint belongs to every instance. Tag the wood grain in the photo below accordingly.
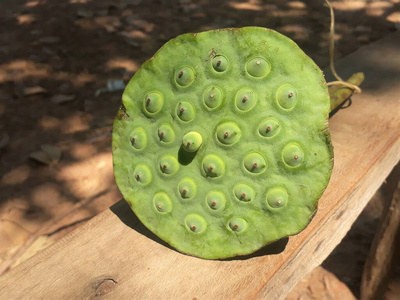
(114, 256)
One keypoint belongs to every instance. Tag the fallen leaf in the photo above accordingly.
(49, 155)
(60, 99)
(34, 90)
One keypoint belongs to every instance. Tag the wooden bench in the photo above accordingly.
(115, 256)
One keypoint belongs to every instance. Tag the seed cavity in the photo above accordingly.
(286, 96)
(187, 188)
(215, 200)
(220, 63)
(185, 111)
(192, 141)
(258, 67)
(277, 197)
(255, 163)
(243, 192)
(185, 75)
(228, 133)
(166, 134)
(138, 138)
(212, 97)
(153, 102)
(213, 166)
(292, 155)
(245, 99)
(195, 223)
(237, 224)
(162, 202)
(269, 128)
(169, 164)
(142, 174)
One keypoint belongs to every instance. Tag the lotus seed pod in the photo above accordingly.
(192, 141)
(254, 110)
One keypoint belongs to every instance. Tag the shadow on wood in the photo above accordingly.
(122, 210)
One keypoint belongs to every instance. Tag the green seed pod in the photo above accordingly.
(254, 109)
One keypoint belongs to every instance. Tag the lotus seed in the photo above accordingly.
(243, 192)
(292, 155)
(212, 97)
(192, 141)
(238, 224)
(153, 103)
(185, 111)
(185, 76)
(245, 99)
(269, 128)
(169, 164)
(277, 197)
(142, 174)
(162, 202)
(138, 138)
(215, 200)
(258, 67)
(255, 163)
(195, 223)
(213, 166)
(286, 96)
(228, 133)
(220, 63)
(166, 134)
(187, 188)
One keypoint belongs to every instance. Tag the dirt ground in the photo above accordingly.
(56, 58)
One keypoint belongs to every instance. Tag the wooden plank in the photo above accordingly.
(115, 256)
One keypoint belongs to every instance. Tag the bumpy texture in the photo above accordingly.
(221, 143)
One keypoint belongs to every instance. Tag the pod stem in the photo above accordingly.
(340, 92)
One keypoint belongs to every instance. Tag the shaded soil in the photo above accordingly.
(68, 49)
